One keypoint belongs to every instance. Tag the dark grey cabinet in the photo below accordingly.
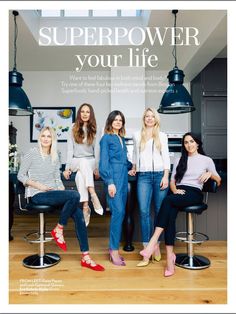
(214, 78)
(209, 94)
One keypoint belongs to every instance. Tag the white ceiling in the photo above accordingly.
(212, 26)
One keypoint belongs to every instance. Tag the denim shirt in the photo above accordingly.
(113, 158)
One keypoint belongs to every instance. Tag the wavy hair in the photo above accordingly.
(183, 162)
(78, 132)
(111, 117)
(155, 131)
(53, 148)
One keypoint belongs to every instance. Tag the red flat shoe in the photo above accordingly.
(61, 245)
(87, 263)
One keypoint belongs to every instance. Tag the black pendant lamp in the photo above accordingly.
(19, 104)
(176, 98)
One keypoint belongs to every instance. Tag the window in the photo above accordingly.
(106, 13)
(90, 13)
(50, 13)
(71, 13)
(130, 12)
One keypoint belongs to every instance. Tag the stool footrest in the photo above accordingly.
(198, 237)
(34, 237)
(191, 262)
(36, 261)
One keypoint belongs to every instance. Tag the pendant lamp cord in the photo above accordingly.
(174, 51)
(15, 39)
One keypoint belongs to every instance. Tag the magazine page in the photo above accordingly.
(118, 189)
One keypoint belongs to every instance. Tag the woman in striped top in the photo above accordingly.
(40, 174)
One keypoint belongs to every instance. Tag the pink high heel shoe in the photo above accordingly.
(118, 262)
(148, 252)
(168, 273)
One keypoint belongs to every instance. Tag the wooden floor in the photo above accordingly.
(68, 283)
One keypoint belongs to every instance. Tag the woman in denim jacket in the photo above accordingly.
(113, 168)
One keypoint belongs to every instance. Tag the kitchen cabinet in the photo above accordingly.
(209, 121)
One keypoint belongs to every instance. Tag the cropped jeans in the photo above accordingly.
(69, 201)
(148, 185)
(170, 208)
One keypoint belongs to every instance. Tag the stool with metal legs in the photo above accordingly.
(190, 237)
(42, 259)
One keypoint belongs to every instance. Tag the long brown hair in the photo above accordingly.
(110, 119)
(78, 131)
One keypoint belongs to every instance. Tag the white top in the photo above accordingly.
(151, 159)
(83, 150)
(196, 166)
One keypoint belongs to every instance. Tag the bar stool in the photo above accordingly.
(42, 259)
(189, 260)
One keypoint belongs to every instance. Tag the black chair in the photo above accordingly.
(42, 259)
(190, 237)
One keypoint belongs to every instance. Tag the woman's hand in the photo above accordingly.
(67, 174)
(38, 186)
(164, 183)
(112, 190)
(62, 188)
(43, 187)
(205, 176)
(178, 191)
(132, 172)
(96, 174)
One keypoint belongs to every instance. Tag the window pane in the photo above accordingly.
(76, 13)
(104, 12)
(128, 13)
(50, 13)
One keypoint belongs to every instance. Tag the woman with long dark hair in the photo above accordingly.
(189, 174)
(82, 158)
(113, 168)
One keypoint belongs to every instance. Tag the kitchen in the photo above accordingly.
(43, 76)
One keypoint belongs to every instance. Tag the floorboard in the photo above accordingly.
(68, 283)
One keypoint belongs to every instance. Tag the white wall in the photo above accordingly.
(128, 94)
(66, 89)
(45, 89)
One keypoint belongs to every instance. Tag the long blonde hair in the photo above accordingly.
(155, 131)
(53, 148)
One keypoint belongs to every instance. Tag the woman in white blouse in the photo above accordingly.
(151, 161)
(82, 158)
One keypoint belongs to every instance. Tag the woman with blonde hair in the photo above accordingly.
(40, 174)
(151, 162)
(82, 158)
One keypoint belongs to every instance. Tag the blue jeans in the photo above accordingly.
(148, 185)
(69, 201)
(117, 205)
